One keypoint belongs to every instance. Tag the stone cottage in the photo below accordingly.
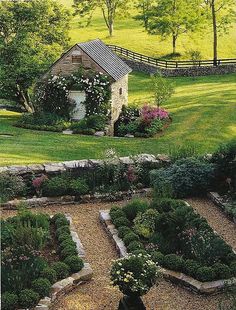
(95, 55)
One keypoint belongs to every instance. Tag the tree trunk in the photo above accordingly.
(111, 27)
(215, 39)
(24, 99)
(174, 38)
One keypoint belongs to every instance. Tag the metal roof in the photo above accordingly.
(105, 58)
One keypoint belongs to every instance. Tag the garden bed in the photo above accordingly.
(57, 261)
(176, 276)
(228, 208)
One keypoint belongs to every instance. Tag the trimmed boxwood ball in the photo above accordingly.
(74, 262)
(69, 250)
(205, 274)
(62, 229)
(157, 257)
(116, 214)
(114, 209)
(62, 270)
(134, 207)
(63, 236)
(57, 216)
(134, 245)
(28, 298)
(61, 222)
(123, 230)
(9, 301)
(222, 271)
(41, 286)
(130, 237)
(50, 274)
(67, 242)
(190, 267)
(121, 221)
(173, 262)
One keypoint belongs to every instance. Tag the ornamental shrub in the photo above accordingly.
(116, 214)
(186, 177)
(134, 245)
(57, 216)
(123, 230)
(157, 257)
(62, 222)
(62, 229)
(134, 275)
(121, 221)
(128, 238)
(9, 301)
(69, 250)
(144, 223)
(50, 274)
(78, 187)
(173, 262)
(205, 274)
(64, 236)
(190, 267)
(96, 122)
(62, 270)
(233, 268)
(222, 271)
(67, 242)
(166, 204)
(11, 186)
(41, 286)
(28, 298)
(74, 262)
(56, 186)
(132, 208)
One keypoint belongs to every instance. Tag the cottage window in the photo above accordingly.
(76, 59)
(120, 91)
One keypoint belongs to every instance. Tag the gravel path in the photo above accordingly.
(99, 294)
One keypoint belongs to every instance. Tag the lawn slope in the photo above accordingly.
(203, 111)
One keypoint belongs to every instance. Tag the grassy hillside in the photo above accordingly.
(130, 34)
(203, 111)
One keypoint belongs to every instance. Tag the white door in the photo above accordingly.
(79, 97)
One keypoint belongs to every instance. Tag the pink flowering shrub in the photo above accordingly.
(38, 182)
(149, 113)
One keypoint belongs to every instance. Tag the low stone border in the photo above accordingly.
(218, 201)
(176, 277)
(66, 285)
(63, 200)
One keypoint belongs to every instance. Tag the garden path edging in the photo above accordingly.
(66, 285)
(217, 200)
(176, 277)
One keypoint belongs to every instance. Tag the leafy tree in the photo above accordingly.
(162, 89)
(173, 18)
(110, 9)
(222, 15)
(144, 8)
(32, 35)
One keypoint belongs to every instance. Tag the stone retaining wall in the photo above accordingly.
(79, 166)
(174, 276)
(193, 71)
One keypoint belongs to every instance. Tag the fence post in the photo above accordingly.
(199, 63)
(166, 64)
(176, 64)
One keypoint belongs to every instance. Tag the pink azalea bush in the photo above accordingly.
(149, 113)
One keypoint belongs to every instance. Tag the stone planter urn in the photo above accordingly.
(131, 302)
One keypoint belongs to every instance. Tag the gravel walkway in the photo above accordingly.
(99, 294)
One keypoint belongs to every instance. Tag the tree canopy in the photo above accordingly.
(32, 35)
(173, 18)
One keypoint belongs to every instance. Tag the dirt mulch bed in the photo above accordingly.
(99, 294)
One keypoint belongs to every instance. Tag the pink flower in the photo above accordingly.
(37, 182)
(149, 113)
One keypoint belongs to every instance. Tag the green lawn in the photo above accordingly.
(203, 111)
(130, 34)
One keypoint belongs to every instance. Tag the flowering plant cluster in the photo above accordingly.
(145, 123)
(149, 113)
(37, 184)
(53, 94)
(134, 274)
